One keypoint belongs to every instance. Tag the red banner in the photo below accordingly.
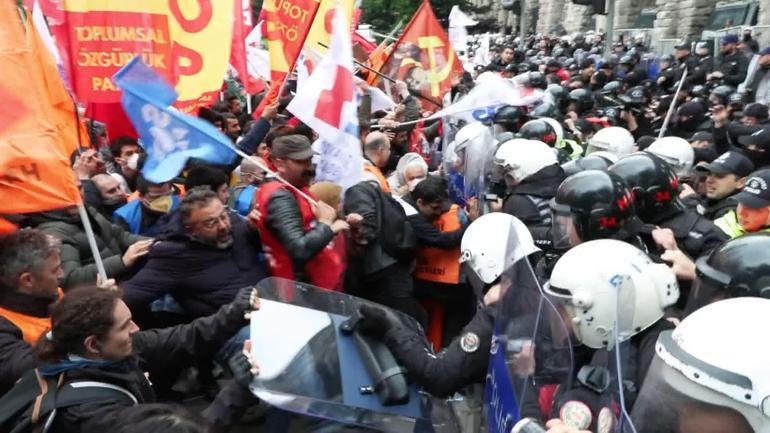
(287, 23)
(423, 56)
(98, 37)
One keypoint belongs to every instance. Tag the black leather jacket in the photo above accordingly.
(284, 220)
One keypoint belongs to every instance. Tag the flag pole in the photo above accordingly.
(92, 241)
(274, 175)
(81, 207)
(672, 106)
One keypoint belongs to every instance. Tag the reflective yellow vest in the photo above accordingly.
(729, 224)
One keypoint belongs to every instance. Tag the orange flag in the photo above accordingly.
(287, 23)
(423, 56)
(41, 131)
(377, 59)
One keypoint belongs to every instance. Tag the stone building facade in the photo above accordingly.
(674, 19)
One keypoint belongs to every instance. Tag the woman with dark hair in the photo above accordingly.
(94, 342)
(160, 418)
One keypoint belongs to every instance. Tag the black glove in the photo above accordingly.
(376, 321)
(242, 301)
(241, 369)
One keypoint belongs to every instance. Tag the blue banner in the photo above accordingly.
(168, 136)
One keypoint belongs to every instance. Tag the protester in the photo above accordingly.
(207, 254)
(295, 232)
(112, 194)
(411, 169)
(30, 266)
(377, 153)
(145, 215)
(93, 338)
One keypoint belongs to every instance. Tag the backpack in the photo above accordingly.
(394, 232)
(31, 405)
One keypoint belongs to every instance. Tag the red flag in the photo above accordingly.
(241, 28)
(423, 56)
(287, 23)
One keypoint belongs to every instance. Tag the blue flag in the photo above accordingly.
(168, 136)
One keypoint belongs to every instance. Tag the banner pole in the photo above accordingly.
(672, 106)
(92, 241)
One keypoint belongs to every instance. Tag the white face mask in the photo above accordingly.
(133, 161)
(413, 183)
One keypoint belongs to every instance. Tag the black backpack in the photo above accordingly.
(31, 405)
(394, 232)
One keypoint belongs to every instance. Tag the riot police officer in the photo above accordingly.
(656, 193)
(465, 360)
(532, 175)
(733, 65)
(709, 374)
(507, 121)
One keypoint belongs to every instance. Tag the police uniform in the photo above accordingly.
(694, 234)
(734, 68)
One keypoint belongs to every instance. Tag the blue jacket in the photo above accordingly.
(132, 212)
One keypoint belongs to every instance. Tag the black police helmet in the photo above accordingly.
(600, 205)
(737, 268)
(539, 129)
(654, 184)
(509, 117)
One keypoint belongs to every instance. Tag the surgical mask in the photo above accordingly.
(161, 204)
(413, 183)
(133, 161)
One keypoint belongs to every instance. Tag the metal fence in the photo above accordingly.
(665, 46)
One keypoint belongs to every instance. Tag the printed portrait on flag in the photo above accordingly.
(424, 58)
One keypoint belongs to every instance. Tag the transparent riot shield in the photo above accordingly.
(531, 347)
(479, 156)
(313, 362)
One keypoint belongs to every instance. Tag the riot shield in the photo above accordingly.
(313, 362)
(478, 155)
(531, 346)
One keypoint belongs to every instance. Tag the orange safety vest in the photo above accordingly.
(376, 172)
(31, 327)
(436, 264)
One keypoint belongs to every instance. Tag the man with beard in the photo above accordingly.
(296, 231)
(207, 254)
(733, 65)
(111, 193)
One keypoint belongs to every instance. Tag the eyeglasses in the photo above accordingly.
(213, 222)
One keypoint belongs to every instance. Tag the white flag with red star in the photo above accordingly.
(327, 102)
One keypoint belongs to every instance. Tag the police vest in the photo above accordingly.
(131, 213)
(572, 147)
(729, 224)
(436, 264)
(324, 270)
(377, 173)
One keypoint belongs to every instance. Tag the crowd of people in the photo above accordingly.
(600, 178)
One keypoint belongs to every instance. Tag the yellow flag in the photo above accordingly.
(321, 31)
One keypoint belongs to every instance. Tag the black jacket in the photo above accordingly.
(76, 257)
(366, 254)
(284, 220)
(453, 368)
(428, 235)
(200, 277)
(157, 352)
(710, 209)
(695, 235)
(734, 68)
(542, 184)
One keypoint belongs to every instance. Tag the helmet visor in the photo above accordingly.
(564, 233)
(710, 286)
(669, 402)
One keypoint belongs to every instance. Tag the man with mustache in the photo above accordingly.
(295, 232)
